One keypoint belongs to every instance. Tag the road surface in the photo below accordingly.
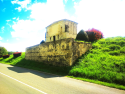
(17, 80)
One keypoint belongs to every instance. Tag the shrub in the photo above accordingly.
(16, 54)
(3, 51)
(102, 41)
(5, 56)
(122, 50)
(94, 34)
(122, 43)
(114, 53)
(96, 46)
(82, 35)
(114, 47)
(10, 53)
(105, 49)
(42, 42)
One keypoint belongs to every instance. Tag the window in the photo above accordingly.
(53, 38)
(66, 28)
(50, 38)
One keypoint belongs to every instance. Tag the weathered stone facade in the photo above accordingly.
(62, 52)
(60, 30)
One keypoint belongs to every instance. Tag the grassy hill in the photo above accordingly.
(103, 64)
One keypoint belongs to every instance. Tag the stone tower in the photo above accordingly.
(60, 30)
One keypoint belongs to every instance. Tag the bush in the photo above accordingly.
(10, 53)
(3, 51)
(94, 34)
(114, 53)
(114, 47)
(105, 49)
(122, 43)
(122, 50)
(16, 54)
(42, 42)
(96, 46)
(5, 56)
(82, 35)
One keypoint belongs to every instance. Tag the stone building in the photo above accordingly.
(60, 30)
(60, 48)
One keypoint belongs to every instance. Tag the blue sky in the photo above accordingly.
(23, 22)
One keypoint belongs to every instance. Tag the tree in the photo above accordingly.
(3, 51)
(94, 34)
(10, 53)
(82, 35)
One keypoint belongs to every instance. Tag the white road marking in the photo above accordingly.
(24, 83)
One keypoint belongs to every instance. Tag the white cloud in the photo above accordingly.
(23, 4)
(8, 20)
(17, 39)
(17, 18)
(49, 12)
(1, 38)
(14, 47)
(108, 16)
(2, 0)
(8, 24)
(2, 29)
(19, 46)
(19, 9)
(14, 18)
(15, 1)
(26, 27)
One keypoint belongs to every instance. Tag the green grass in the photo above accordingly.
(104, 64)
(21, 62)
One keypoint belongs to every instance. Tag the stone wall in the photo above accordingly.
(60, 53)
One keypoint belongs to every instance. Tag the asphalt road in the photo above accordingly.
(17, 80)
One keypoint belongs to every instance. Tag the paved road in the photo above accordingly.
(17, 80)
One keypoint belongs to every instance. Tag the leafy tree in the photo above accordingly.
(3, 51)
(94, 34)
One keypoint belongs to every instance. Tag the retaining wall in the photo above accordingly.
(59, 53)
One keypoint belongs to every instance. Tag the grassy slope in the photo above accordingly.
(104, 64)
